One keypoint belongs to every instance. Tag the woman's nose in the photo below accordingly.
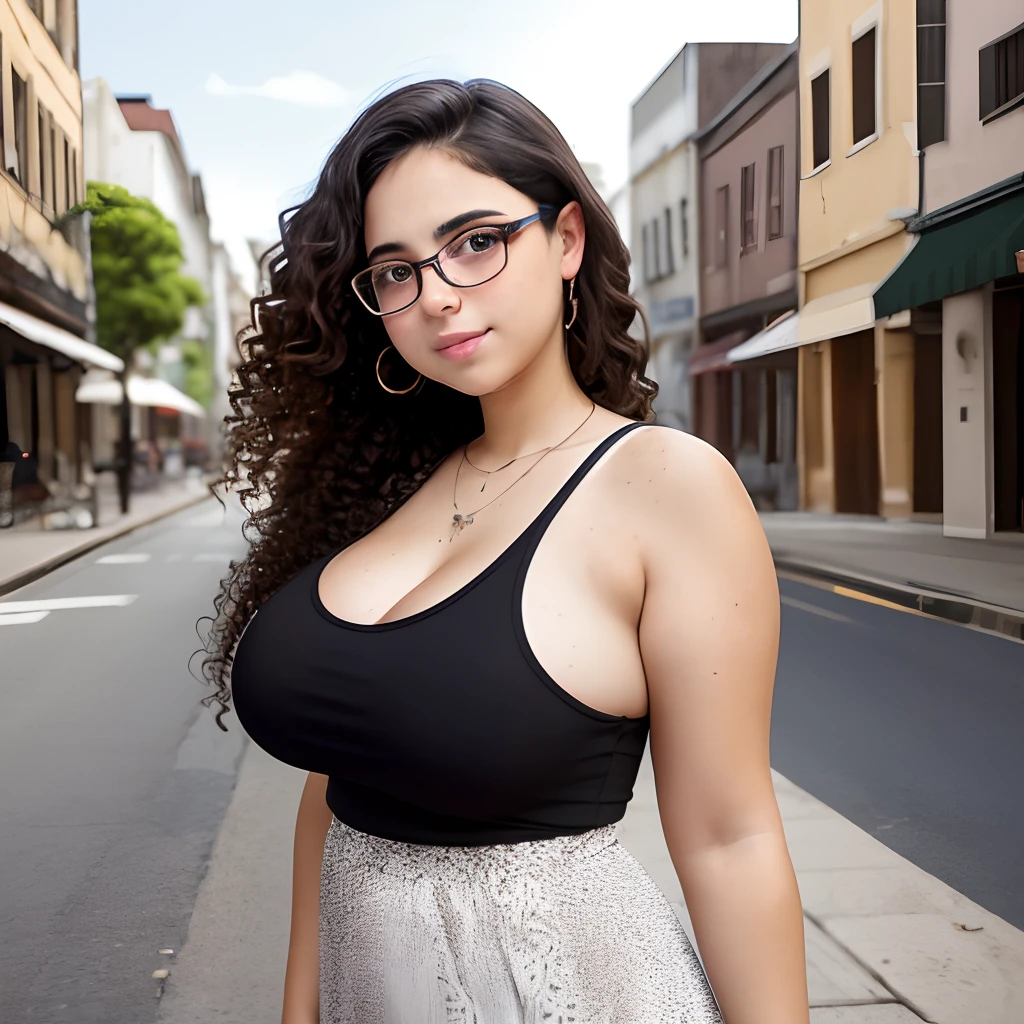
(437, 296)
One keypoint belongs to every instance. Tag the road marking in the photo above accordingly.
(858, 595)
(212, 556)
(173, 558)
(122, 559)
(62, 603)
(814, 609)
(24, 617)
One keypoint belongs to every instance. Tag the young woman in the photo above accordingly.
(479, 576)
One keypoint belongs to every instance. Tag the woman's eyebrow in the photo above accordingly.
(440, 231)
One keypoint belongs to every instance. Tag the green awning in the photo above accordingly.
(955, 254)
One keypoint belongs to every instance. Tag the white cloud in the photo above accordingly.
(306, 88)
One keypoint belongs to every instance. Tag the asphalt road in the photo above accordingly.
(913, 728)
(908, 726)
(115, 777)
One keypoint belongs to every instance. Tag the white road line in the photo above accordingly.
(62, 603)
(123, 559)
(814, 609)
(24, 617)
(213, 556)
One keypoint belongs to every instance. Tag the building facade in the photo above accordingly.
(45, 315)
(961, 286)
(130, 142)
(859, 186)
(748, 157)
(663, 197)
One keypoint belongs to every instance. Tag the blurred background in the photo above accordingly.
(824, 206)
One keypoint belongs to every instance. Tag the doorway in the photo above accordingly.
(855, 424)
(928, 423)
(1008, 407)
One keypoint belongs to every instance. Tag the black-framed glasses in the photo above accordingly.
(475, 256)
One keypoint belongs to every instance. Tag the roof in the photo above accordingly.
(141, 116)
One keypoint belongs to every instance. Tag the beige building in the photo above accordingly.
(44, 259)
(859, 184)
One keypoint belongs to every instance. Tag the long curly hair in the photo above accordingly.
(319, 453)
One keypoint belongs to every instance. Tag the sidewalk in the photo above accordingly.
(27, 551)
(886, 943)
(909, 556)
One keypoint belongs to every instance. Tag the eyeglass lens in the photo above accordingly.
(473, 258)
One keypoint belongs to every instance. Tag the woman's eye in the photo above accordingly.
(479, 242)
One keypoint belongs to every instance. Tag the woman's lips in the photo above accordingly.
(465, 347)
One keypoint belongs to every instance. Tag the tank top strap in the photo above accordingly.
(540, 524)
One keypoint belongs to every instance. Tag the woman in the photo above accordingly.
(481, 577)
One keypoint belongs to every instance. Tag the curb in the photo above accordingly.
(40, 569)
(956, 608)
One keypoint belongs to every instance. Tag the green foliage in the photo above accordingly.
(141, 295)
(198, 371)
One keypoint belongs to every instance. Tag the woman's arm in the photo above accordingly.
(302, 975)
(709, 635)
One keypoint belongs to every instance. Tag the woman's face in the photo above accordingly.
(510, 319)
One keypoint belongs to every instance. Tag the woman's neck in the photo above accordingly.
(535, 410)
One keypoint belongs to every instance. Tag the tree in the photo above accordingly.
(141, 294)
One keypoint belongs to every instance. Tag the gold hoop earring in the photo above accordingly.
(575, 303)
(394, 391)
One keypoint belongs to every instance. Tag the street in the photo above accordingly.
(911, 728)
(907, 726)
(116, 777)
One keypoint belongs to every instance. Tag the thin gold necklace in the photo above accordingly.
(460, 521)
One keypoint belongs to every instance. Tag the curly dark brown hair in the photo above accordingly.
(319, 452)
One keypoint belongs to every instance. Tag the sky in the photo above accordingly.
(261, 92)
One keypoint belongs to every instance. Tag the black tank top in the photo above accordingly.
(441, 727)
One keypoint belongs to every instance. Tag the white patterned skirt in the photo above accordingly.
(570, 930)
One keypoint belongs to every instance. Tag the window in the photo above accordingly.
(56, 147)
(864, 86)
(19, 91)
(3, 143)
(45, 181)
(670, 263)
(748, 218)
(1001, 74)
(775, 166)
(931, 72)
(68, 198)
(75, 192)
(820, 120)
(721, 226)
(656, 247)
(648, 262)
(684, 228)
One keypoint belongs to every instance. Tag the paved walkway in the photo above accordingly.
(886, 943)
(902, 553)
(27, 550)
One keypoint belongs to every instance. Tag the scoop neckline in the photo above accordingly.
(408, 620)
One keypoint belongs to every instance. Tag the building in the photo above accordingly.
(663, 221)
(744, 398)
(45, 330)
(961, 286)
(130, 142)
(859, 186)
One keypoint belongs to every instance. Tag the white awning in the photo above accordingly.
(141, 391)
(781, 335)
(842, 312)
(56, 338)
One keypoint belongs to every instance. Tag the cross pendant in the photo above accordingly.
(459, 523)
